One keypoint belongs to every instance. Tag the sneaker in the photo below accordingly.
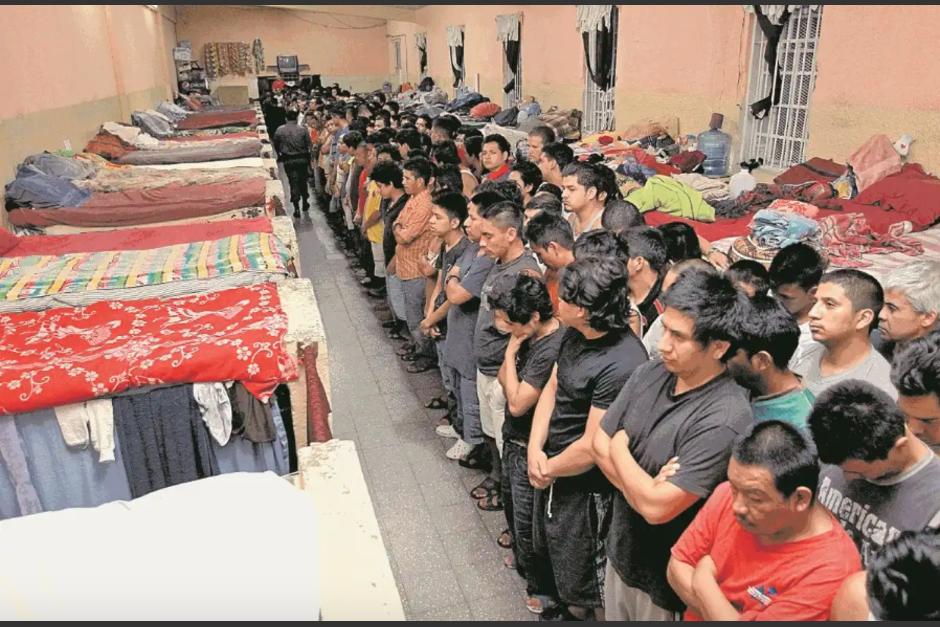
(447, 431)
(459, 450)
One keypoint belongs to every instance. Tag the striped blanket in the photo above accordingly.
(46, 275)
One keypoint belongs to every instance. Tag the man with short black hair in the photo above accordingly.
(555, 158)
(847, 306)
(794, 277)
(292, 145)
(543, 202)
(549, 236)
(539, 137)
(683, 406)
(500, 239)
(646, 268)
(769, 338)
(495, 156)
(880, 479)
(620, 215)
(762, 547)
(528, 177)
(572, 504)
(584, 193)
(916, 375)
(414, 236)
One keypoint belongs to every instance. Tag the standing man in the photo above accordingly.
(683, 406)
(916, 374)
(500, 239)
(584, 193)
(293, 145)
(495, 156)
(539, 137)
(598, 354)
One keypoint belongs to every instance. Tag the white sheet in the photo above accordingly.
(256, 162)
(233, 547)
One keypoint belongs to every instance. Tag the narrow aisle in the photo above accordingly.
(442, 549)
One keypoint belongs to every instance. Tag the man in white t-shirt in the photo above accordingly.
(847, 305)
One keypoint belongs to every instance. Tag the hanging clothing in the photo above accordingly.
(216, 409)
(163, 439)
(94, 418)
(251, 418)
(772, 30)
(11, 452)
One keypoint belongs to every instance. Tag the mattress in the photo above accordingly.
(203, 151)
(137, 238)
(174, 554)
(253, 162)
(147, 206)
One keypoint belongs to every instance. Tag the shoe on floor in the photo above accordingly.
(459, 450)
(377, 292)
(447, 431)
(296, 213)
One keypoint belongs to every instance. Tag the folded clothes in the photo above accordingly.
(34, 188)
(63, 167)
(776, 229)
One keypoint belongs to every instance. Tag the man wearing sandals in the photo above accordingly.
(598, 354)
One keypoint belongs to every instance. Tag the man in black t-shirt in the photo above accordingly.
(688, 407)
(646, 267)
(522, 305)
(598, 354)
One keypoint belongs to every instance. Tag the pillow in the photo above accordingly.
(8, 241)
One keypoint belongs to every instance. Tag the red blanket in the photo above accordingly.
(911, 195)
(69, 355)
(146, 206)
(214, 119)
(142, 238)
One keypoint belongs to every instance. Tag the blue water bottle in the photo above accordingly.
(717, 147)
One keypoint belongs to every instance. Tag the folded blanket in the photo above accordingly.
(37, 276)
(68, 355)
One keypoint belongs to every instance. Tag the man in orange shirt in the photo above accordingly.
(763, 547)
(414, 236)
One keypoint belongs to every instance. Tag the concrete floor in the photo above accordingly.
(442, 549)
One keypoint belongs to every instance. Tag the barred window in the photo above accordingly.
(780, 135)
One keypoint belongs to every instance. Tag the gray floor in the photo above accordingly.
(442, 549)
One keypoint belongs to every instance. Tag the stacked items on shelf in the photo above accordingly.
(138, 357)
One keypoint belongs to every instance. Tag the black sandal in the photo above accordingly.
(436, 403)
(488, 487)
(492, 503)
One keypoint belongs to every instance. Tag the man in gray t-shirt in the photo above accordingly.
(879, 479)
(685, 406)
(846, 310)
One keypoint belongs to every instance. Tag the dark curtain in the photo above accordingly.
(511, 50)
(772, 32)
(456, 63)
(423, 52)
(602, 72)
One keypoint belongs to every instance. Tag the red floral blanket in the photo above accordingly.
(68, 355)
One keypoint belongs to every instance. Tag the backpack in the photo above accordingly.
(507, 117)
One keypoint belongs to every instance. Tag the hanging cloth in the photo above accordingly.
(455, 43)
(421, 42)
(600, 21)
(507, 32)
(772, 31)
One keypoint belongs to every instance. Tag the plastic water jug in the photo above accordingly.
(717, 148)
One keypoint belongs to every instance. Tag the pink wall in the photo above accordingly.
(879, 56)
(330, 45)
(55, 56)
(680, 49)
